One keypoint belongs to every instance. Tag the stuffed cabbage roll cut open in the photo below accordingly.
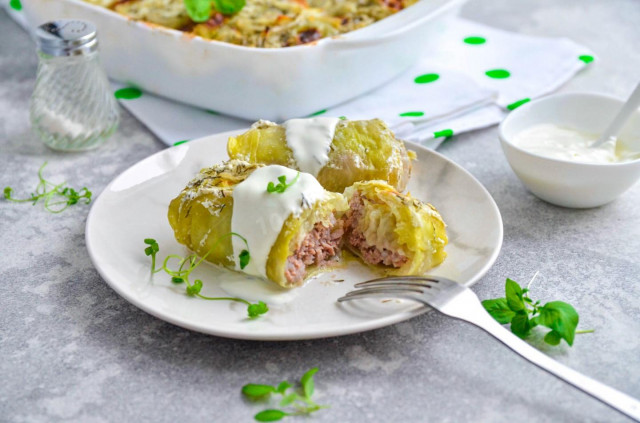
(267, 221)
(391, 231)
(337, 152)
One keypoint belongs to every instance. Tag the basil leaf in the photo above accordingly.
(514, 295)
(229, 7)
(520, 324)
(270, 415)
(499, 310)
(198, 10)
(254, 390)
(561, 318)
(307, 383)
(552, 338)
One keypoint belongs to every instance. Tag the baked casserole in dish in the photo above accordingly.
(274, 59)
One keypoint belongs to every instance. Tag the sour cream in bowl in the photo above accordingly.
(547, 144)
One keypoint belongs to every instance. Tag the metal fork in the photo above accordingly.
(455, 300)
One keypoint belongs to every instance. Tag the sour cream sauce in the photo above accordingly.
(258, 215)
(556, 142)
(310, 141)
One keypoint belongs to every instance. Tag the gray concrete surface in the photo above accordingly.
(72, 350)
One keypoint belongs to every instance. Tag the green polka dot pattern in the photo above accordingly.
(586, 58)
(498, 73)
(411, 114)
(426, 78)
(475, 40)
(443, 133)
(129, 93)
(15, 4)
(518, 103)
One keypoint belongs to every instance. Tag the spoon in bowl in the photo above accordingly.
(614, 128)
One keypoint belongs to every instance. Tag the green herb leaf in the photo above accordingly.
(520, 324)
(270, 415)
(244, 258)
(7, 192)
(561, 318)
(176, 279)
(282, 185)
(302, 405)
(289, 399)
(499, 310)
(255, 310)
(152, 250)
(283, 386)
(256, 391)
(552, 338)
(195, 288)
(514, 295)
(229, 7)
(198, 10)
(307, 382)
(524, 314)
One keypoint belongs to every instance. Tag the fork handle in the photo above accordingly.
(608, 395)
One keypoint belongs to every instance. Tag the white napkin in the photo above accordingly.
(476, 75)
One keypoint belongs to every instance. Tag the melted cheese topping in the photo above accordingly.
(259, 215)
(310, 140)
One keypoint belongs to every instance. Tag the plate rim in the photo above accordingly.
(297, 336)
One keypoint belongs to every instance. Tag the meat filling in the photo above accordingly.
(358, 242)
(319, 247)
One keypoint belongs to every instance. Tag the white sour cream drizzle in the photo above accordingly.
(310, 140)
(258, 215)
(568, 144)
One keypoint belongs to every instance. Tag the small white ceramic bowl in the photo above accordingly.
(566, 183)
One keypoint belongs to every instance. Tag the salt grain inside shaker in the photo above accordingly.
(72, 106)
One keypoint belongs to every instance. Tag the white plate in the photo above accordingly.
(134, 206)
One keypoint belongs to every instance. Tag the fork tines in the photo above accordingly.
(394, 286)
(394, 281)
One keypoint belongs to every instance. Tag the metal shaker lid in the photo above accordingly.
(67, 37)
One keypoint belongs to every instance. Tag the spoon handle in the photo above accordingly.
(621, 118)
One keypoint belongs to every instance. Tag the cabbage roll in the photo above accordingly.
(337, 152)
(281, 220)
(391, 231)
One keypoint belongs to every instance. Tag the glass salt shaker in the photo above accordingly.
(72, 106)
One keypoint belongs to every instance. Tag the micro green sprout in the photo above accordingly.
(57, 197)
(186, 265)
(282, 185)
(299, 401)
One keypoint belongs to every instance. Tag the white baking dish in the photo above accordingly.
(248, 82)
